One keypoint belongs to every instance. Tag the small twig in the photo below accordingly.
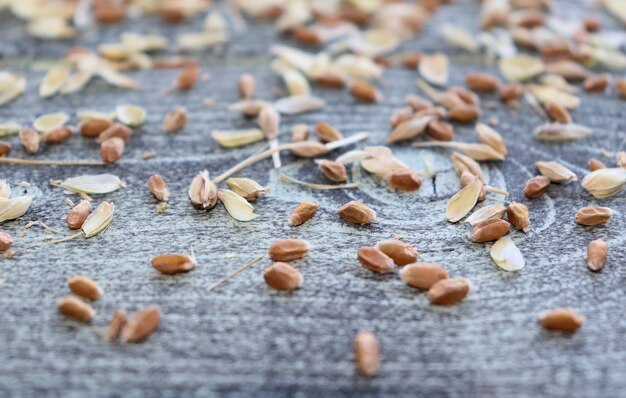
(235, 273)
(29, 162)
(495, 190)
(76, 235)
(321, 187)
(54, 230)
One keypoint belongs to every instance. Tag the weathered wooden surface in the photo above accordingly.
(244, 339)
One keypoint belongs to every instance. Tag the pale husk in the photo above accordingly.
(236, 206)
(463, 201)
(486, 213)
(10, 209)
(604, 183)
(506, 255)
(98, 220)
(93, 184)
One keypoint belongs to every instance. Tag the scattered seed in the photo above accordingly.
(463, 201)
(233, 139)
(596, 83)
(282, 276)
(518, 216)
(111, 149)
(30, 140)
(247, 188)
(247, 86)
(236, 206)
(410, 129)
(356, 212)
(489, 230)
(99, 220)
(302, 213)
(558, 112)
(400, 252)
(563, 319)
(506, 255)
(620, 85)
(57, 136)
(170, 264)
(333, 171)
(375, 260)
(559, 132)
(365, 92)
(489, 136)
(141, 324)
(130, 115)
(14, 208)
(404, 179)
(6, 241)
(175, 120)
(117, 323)
(486, 213)
(464, 113)
(299, 133)
(605, 183)
(593, 215)
(556, 172)
(50, 121)
(327, 133)
(116, 130)
(434, 68)
(92, 184)
(94, 127)
(158, 188)
(423, 275)
(202, 191)
(595, 164)
(76, 309)
(449, 291)
(597, 253)
(85, 287)
(482, 82)
(288, 249)
(367, 353)
(79, 213)
(536, 186)
(188, 77)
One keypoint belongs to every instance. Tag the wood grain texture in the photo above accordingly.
(244, 339)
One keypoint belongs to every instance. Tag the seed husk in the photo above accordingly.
(364, 91)
(269, 121)
(296, 83)
(620, 159)
(404, 179)
(170, 264)
(482, 82)
(559, 132)
(489, 230)
(506, 255)
(333, 171)
(449, 291)
(375, 260)
(288, 249)
(202, 191)
(175, 120)
(595, 164)
(593, 215)
(98, 220)
(85, 287)
(409, 129)
(367, 353)
(50, 121)
(297, 104)
(76, 309)
(356, 212)
(299, 133)
(434, 68)
(93, 184)
(158, 187)
(112, 149)
(423, 275)
(440, 130)
(556, 172)
(605, 183)
(309, 149)
(116, 130)
(53, 81)
(303, 212)
(490, 137)
(118, 320)
(463, 163)
(141, 324)
(94, 127)
(233, 139)
(57, 136)
(30, 140)
(247, 188)
(236, 206)
(282, 276)
(563, 319)
(597, 252)
(486, 213)
(480, 152)
(11, 209)
(327, 133)
(247, 86)
(401, 253)
(131, 115)
(518, 216)
(6, 241)
(521, 67)
(463, 201)
(536, 186)
(79, 213)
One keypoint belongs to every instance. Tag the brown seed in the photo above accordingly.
(518, 216)
(30, 140)
(570, 70)
(400, 252)
(536, 186)
(109, 12)
(6, 241)
(159, 188)
(5, 148)
(375, 260)
(141, 324)
(466, 96)
(327, 133)
(417, 103)
(303, 213)
(401, 115)
(423, 275)
(334, 171)
(558, 112)
(330, 80)
(170, 13)
(596, 83)
(356, 212)
(306, 36)
(597, 253)
(93, 127)
(288, 249)
(620, 86)
(175, 120)
(299, 133)
(188, 77)
(85, 287)
(489, 230)
(404, 179)
(57, 136)
(593, 215)
(563, 319)
(511, 92)
(411, 60)
(112, 149)
(449, 291)
(464, 113)
(591, 24)
(79, 213)
(116, 130)
(440, 130)
(365, 92)
(76, 309)
(170, 264)
(367, 353)
(246, 85)
(595, 164)
(482, 82)
(118, 320)
(282, 276)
